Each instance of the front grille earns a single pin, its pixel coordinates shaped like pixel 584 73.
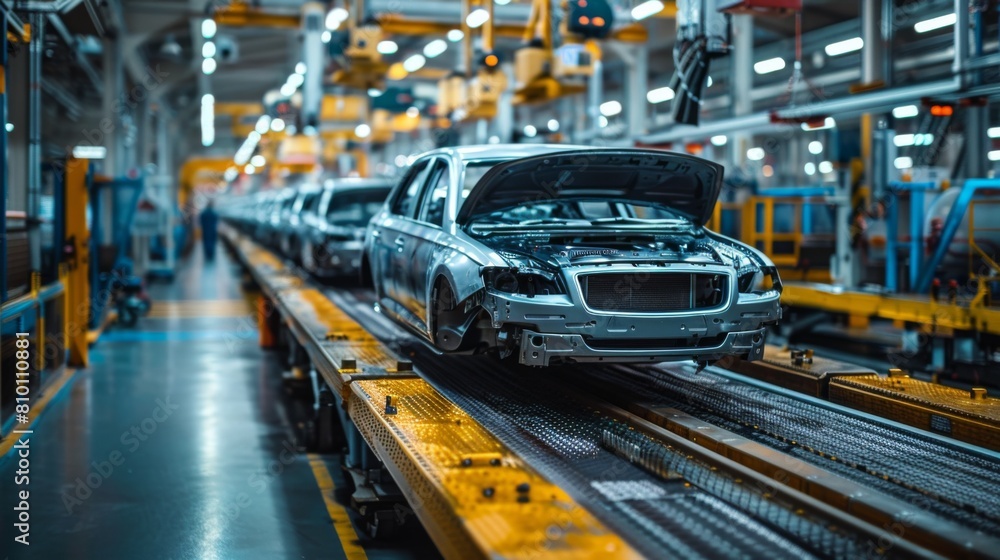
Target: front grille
pixel 651 292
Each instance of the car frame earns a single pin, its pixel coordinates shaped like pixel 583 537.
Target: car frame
pixel 439 280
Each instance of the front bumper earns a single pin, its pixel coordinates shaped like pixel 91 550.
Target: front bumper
pixel 538 349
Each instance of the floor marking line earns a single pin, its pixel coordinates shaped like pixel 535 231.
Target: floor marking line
pixel 338 514
pixel 38 408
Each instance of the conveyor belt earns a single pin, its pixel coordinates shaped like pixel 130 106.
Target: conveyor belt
pixel 952 481
pixel 661 493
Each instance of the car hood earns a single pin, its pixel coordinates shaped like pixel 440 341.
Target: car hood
pixel 678 182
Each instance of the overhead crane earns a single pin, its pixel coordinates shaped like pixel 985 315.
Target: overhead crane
pixel 481 460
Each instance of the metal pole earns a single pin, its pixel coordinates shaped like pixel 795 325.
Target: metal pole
pixel 961 39
pixel 595 95
pixel 638 79
pixel 35 138
pixel 742 82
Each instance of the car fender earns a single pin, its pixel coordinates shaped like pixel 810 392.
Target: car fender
pixel 467 282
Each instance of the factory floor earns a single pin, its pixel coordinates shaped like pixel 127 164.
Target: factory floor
pixel 176 443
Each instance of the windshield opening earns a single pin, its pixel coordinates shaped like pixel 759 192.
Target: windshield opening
pixel 355 208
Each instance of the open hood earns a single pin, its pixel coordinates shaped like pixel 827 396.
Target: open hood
pixel 684 184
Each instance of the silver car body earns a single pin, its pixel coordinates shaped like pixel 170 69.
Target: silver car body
pixel 414 260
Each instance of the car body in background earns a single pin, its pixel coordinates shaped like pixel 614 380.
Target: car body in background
pixel 329 235
pixel 568 254
pixel 290 230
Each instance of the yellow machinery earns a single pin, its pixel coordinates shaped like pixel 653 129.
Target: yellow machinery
pixel 791 248
pixel 364 67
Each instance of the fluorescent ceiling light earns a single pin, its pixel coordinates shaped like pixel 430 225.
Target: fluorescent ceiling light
pixel 387 47
pixel 825 167
pixel 611 108
pixel 335 18
pixel 553 125
pixel 90 152
pixel 810 168
pixel 231 174
pixel 455 35
pixel 935 23
pixel 903 140
pixel 300 68
pixel 208 28
pixel 816 147
pixel 994 132
pixel 845 46
pixel 659 95
pixel 435 48
pixel 903 162
pixel 250 169
pixel 906 111
pixel 413 112
pixel 755 154
pixel 362 130
pixel 263 124
pixel 258 161
pixel 208 49
pixel 374 92
pixel 414 63
pixel 530 131
pixel 287 90
pixel 277 125
pixel 326 37
pixel 647 9
pixel 994 155
pixel 603 121
pixel 477 18
pixel 720 140
pixel 208 66
pixel 769 65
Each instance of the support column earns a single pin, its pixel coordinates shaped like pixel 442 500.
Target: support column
pixel 505 107
pixel 741 76
pixel 638 80
pixel 595 96
pixel 35 138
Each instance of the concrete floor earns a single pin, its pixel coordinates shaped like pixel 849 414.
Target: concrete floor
pixel 175 444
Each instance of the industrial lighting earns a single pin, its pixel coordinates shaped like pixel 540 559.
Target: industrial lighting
pixel 905 112
pixel 603 121
pixel 659 95
pixel 208 66
pixel 816 147
pixel 387 47
pixel 296 80
pixel 246 149
pixel 755 154
pixel 611 108
pixel 90 152
pixel 825 167
pixel 362 130
pixel 709 82
pixel 10 127
pixel 300 68
pixel 810 168
pixel 845 46
pixel 335 18
pixel 258 161
pixel 400 160
pixel 769 65
pixel 501 2
pixel 530 131
pixel 720 140
pixel 767 171
pixel 250 169
pixel 277 125
pixel 231 174
pixel 263 124
pixel 827 124
pixel 647 9
pixel 413 112
pixel 207 120
pixel 435 47
pixel 553 125
pixel 494 139
pixel 903 140
pixel 935 23
pixel 208 28
pixel 477 18
pixel 287 90
pixel 993 132
pixel 455 35
pixel 414 63
pixel 994 155
pixel 208 49
pixel 903 162
pixel 374 92
pixel 326 37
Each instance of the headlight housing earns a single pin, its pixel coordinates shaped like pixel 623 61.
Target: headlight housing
pixel 753 281
pixel 511 280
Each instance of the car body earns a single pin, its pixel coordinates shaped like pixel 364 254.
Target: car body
pixel 568 254
pixel 331 227
pixel 294 227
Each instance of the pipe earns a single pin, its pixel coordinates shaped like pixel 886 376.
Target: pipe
pixel 81 59
pixel 488 28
